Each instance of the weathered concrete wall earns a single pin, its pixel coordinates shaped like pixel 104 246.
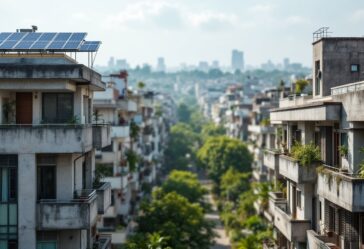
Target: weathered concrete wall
pixel 27 201
pixel 290 169
pixel 45 139
pixel 336 56
pixel 65 177
pixel 344 191
pixel 311 113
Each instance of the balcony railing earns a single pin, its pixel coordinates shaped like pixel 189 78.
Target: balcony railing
pixel 342 188
pixel 46 138
pixel 348 88
pixel 291 169
pixel 77 213
pixel 103 241
pixel 271 159
pixel 293 229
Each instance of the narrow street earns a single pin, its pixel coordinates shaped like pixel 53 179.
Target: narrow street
pixel 222 241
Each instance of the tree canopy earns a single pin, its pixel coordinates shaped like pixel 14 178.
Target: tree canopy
pixel 233 183
pixel 180 222
pixel 218 154
pixel 180 144
pixel 185 184
pixel 183 113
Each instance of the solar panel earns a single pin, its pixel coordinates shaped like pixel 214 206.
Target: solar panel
pixel 90 46
pixel 65 41
pixel 75 41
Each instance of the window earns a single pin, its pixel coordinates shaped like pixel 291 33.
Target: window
pixel 46 177
pixel 320 210
pixel 299 204
pixel 354 68
pixel 57 107
pixel 317 78
pixel 8 201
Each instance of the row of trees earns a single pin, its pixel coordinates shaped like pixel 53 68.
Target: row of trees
pixel 174 217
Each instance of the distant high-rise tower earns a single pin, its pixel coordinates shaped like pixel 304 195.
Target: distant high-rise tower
pixel 111 62
pixel 215 64
pixel 161 66
pixel 286 63
pixel 237 60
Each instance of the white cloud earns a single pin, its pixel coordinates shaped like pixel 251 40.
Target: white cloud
pixel 357 16
pixel 212 21
pixel 261 8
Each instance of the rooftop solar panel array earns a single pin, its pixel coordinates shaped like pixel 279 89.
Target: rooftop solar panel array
pixel 33 41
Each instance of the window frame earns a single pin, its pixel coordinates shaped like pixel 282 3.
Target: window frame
pixel 357 68
pixel 58 120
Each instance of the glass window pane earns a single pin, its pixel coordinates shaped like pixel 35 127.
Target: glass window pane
pixel 49 108
pixel 3 214
pixel 13 214
pixel 4 184
pixel 65 107
pixel 3 244
pixel 13 184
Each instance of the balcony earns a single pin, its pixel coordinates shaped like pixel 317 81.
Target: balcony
pixel 294 230
pixel 343 189
pixel 101 136
pixel 291 169
pixel 103 197
pixel 128 105
pixel 276 199
pixel 259 129
pixel 120 131
pixel 316 241
pixel 78 213
pixel 271 160
pixel 57 138
pixel 103 241
pixel 117 182
pixel 315 111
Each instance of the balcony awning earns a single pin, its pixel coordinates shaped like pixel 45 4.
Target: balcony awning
pixel 318 111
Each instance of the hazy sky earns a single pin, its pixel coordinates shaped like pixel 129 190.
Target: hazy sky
pixel 191 30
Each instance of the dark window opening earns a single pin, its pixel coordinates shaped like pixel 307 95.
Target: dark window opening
pixel 57 107
pixel 46 177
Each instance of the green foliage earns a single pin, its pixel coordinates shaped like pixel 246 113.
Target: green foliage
pixel 212 130
pixel 300 86
pixel 132 159
pixel 265 122
pixel 306 154
pixel 183 113
pixel 134 130
pixel 197 120
pixel 233 183
pixel 344 151
pixel 180 144
pixel 218 154
pixel 141 85
pixel 180 222
pixel 146 241
pixel 245 207
pixel 254 223
pixel 185 184
pixel 158 111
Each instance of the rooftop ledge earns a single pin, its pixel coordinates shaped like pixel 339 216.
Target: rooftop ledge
pixel 78 73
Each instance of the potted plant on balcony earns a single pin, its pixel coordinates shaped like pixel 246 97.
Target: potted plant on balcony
pixel 344 151
pixel 306 154
pixel 9 111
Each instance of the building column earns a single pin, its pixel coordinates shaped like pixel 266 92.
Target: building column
pixel 27 201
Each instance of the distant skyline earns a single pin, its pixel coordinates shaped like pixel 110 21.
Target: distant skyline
pixel 191 31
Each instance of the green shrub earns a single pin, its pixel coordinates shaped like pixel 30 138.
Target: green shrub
pixel 306 154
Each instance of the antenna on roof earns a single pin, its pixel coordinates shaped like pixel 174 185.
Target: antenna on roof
pixel 34 28
pixel 321 33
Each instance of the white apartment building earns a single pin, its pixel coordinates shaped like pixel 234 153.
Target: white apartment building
pixel 48 194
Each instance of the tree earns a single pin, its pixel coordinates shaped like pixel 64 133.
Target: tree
pixel 146 241
pixel 180 222
pixel 141 85
pixel 197 120
pixel 183 113
pixel 233 183
pixel 300 86
pixel 212 130
pixel 186 184
pixel 218 154
pixel 180 145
